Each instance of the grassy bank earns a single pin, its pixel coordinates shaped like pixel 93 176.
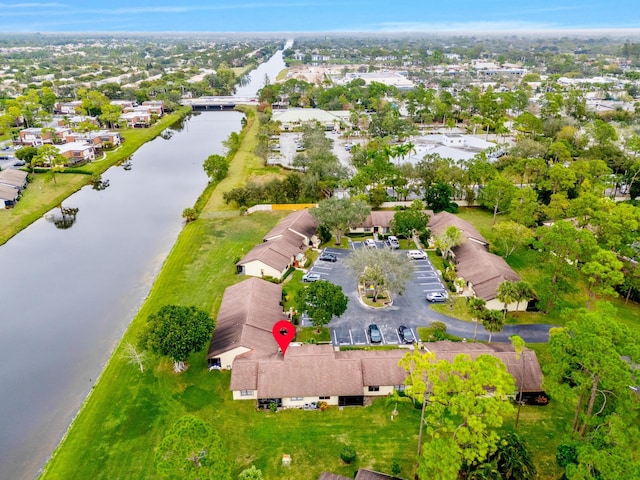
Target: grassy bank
pixel 41 196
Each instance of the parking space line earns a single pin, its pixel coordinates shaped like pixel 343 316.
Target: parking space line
pixel 335 337
pixel 323 266
pixel 350 337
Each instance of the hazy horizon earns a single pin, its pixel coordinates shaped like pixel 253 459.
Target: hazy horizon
pixel 499 17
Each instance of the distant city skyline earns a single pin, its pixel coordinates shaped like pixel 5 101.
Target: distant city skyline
pixel 417 16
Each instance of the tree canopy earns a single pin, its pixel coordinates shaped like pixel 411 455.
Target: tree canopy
pixel 177 331
pixel 466 402
pixel 339 214
pixel 192 450
pixel 322 300
pixel 380 269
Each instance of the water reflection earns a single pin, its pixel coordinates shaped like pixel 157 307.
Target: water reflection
pixel 98 184
pixel 63 219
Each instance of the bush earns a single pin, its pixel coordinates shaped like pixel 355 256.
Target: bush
pixel 348 454
pixel 424 236
pixel 439 326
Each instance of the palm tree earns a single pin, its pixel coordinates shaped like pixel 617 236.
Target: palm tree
pixel 507 293
pixel 492 322
pixel 524 291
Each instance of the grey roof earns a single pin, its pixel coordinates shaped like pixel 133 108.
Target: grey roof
pixel 246 316
pixel 13 177
pixel 378 218
pixel 8 193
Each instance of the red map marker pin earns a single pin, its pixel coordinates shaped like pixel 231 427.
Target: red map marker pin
pixel 283 331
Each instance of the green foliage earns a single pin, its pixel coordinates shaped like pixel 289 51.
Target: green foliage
pixel 509 236
pixel 348 454
pixel 191 449
pixel 177 331
pixel 189 214
pixel 322 300
pixel 413 219
pixel 216 167
pixel 438 196
pixel 380 269
pixel 339 214
pixel 251 473
pixel 461 416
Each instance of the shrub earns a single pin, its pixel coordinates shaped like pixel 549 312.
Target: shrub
pixel 323 406
pixel 439 326
pixel 348 454
pixel 273 406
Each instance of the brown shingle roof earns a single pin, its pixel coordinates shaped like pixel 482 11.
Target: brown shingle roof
pixel 439 222
pixel 309 370
pixel 379 367
pixel 364 474
pixel 300 224
pixel 247 313
pixel 474 262
pixel 483 269
pixel 378 218
pixel 277 253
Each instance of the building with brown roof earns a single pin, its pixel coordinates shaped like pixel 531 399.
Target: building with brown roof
pixel 363 474
pixel 378 221
pixel 482 270
pixel 282 248
pixel 246 316
pixel 309 374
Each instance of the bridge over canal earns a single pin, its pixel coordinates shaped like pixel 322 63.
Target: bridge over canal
pixel 218 102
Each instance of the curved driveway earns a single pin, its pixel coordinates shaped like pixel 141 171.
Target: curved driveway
pixel 410 309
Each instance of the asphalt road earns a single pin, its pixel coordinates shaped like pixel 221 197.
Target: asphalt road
pixel 410 309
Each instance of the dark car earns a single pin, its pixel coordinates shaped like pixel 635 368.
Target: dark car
pixel 328 257
pixel 405 334
pixel 374 333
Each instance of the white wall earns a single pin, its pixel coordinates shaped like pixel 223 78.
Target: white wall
pixel 237 396
pixel 259 269
pixel 226 358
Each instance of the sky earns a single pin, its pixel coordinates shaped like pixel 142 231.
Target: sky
pixel 438 16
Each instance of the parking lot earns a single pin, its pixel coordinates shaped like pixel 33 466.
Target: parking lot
pixel 410 309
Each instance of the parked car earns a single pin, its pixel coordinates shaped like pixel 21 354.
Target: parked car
pixel 370 243
pixel 393 242
pixel 416 254
pixel 405 334
pixel 436 297
pixel 328 257
pixel 311 277
pixel 19 163
pixel 374 333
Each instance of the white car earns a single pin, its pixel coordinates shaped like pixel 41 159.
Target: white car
pixel 416 254
pixel 310 277
pixel 437 297
pixel 370 243
pixel 393 242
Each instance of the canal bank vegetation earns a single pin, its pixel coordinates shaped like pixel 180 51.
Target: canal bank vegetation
pixel 43 195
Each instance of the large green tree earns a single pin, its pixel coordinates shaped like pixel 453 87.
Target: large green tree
pixel 192 450
pixel 381 270
pixel 177 331
pixel 322 300
pixel 340 214
pixel 509 236
pixel 216 167
pixel 407 222
pixel 592 364
pixel 465 402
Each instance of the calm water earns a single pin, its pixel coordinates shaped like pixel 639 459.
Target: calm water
pixel 69 294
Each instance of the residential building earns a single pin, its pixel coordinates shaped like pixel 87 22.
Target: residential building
pixel 38 136
pixel 482 270
pixel 14 178
pixel 77 152
pixel 282 248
